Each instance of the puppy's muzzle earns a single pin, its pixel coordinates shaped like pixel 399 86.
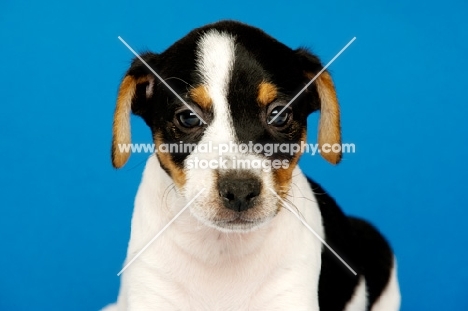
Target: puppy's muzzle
pixel 239 193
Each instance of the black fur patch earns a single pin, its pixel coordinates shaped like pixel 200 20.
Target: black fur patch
pixel 360 245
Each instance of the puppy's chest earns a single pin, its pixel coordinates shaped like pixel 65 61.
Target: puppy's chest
pixel 237 287
pixel 280 276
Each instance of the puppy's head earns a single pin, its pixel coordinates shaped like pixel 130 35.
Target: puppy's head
pixel 234 140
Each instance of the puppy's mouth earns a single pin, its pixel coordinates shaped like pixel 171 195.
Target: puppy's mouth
pixel 238 219
pixel 239 222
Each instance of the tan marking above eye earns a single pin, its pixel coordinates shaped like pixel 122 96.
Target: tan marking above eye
pixel 200 96
pixel 267 92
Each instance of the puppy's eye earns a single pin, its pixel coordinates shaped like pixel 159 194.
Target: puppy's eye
pixel 282 118
pixel 188 119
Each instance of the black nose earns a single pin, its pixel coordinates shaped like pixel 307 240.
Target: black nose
pixel 238 194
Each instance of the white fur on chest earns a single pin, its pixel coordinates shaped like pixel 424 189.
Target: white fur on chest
pixel 194 267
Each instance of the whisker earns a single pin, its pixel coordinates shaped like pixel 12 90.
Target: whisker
pixel 179 80
pixel 303 196
pixel 286 200
pixel 166 193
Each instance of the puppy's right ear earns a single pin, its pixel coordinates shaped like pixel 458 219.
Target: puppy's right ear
pixel 329 132
pixel 136 89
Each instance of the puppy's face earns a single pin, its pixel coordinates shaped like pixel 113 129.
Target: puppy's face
pixel 234 140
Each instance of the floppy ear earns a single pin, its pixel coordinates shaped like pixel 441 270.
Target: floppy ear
pixel 329 131
pixel 134 92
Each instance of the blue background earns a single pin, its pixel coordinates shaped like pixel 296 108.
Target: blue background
pixel 65 213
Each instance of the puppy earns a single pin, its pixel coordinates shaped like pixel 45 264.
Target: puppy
pixel 238 247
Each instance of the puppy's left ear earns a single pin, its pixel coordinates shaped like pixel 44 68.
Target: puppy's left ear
pixel 135 91
pixel 329 131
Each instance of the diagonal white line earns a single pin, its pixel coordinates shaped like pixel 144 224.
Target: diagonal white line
pixel 311 81
pixel 159 77
pixel 160 232
pixel 312 230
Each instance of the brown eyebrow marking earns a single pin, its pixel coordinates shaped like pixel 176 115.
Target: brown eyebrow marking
pixel 200 96
pixel 267 92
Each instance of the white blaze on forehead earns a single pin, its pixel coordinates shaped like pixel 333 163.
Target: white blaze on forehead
pixel 215 62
